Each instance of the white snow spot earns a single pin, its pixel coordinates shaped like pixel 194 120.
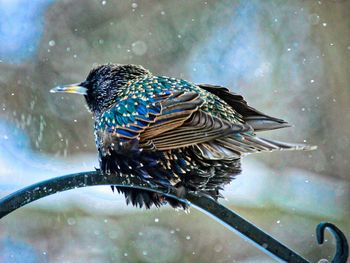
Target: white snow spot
pixel 139 48
pixel 71 221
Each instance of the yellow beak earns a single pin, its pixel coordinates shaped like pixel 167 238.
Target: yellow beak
pixel 72 88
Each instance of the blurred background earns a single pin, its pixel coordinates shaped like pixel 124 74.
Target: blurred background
pixel 289 59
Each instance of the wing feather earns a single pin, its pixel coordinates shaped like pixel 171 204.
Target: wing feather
pixel 258 120
pixel 201 127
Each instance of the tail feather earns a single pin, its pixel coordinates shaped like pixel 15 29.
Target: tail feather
pixel 265 123
pixel 291 146
pixel 248 143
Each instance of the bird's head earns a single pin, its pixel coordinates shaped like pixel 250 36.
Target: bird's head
pixel 104 84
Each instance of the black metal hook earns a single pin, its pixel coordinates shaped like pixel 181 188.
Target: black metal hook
pixel 342 247
pixel 203 203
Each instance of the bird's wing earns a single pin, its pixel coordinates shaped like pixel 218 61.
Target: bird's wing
pixel 183 123
pixel 256 119
pixel 124 122
pixel 166 121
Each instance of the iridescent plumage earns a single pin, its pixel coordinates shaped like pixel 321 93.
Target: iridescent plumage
pixel 172 132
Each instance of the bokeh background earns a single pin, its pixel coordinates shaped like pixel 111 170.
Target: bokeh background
pixel 288 58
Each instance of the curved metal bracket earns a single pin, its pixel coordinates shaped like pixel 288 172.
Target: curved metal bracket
pixel 203 203
pixel 342 252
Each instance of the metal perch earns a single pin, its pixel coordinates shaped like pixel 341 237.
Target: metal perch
pixel 227 217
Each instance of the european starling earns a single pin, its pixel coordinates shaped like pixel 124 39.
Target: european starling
pixel 171 132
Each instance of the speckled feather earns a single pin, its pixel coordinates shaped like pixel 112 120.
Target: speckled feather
pixel 140 99
pixel 172 132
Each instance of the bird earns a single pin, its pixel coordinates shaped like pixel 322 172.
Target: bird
pixel 170 132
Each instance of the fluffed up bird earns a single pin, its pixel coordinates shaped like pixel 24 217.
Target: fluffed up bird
pixel 171 132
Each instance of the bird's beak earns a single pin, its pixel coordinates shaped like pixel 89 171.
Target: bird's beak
pixel 72 88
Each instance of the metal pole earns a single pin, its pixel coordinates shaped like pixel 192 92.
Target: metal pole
pixel 225 216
